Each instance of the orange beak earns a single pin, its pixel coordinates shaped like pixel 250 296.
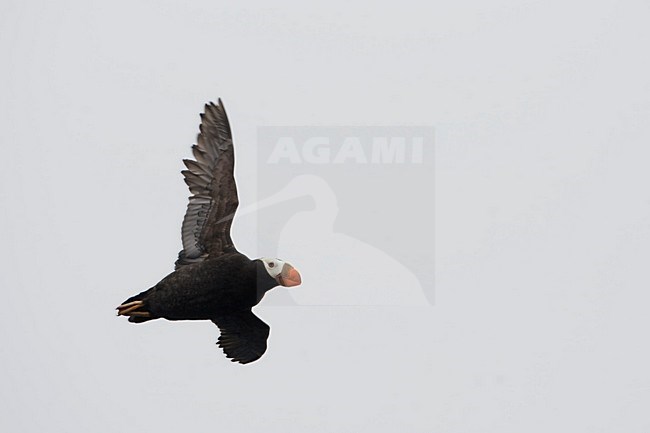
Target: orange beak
pixel 289 277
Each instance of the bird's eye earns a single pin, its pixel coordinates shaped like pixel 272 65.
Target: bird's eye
pixel 271 264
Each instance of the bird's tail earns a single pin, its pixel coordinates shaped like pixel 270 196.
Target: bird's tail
pixel 135 308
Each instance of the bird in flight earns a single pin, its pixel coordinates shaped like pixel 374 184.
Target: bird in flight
pixel 212 280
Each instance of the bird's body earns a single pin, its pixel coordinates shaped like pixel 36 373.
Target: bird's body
pixel 206 290
pixel 213 281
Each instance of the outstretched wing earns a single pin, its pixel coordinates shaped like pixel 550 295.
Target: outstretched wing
pixel 206 227
pixel 243 336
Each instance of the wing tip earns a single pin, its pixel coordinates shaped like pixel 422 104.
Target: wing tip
pixel 211 104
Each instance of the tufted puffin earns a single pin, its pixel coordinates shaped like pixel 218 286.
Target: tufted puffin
pixel 212 280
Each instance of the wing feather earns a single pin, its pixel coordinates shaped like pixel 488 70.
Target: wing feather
pixel 243 336
pixel 206 227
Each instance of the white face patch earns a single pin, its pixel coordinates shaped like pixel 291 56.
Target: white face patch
pixel 273 266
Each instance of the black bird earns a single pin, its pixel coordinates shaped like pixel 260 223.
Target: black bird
pixel 212 280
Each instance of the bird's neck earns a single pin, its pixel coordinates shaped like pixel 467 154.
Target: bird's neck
pixel 264 282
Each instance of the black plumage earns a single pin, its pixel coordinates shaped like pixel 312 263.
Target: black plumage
pixel 212 280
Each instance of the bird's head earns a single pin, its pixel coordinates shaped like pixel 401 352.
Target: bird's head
pixel 282 272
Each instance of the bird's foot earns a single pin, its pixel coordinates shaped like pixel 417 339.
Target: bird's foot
pixel 129 309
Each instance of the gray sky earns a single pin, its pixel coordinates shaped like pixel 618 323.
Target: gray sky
pixel 538 320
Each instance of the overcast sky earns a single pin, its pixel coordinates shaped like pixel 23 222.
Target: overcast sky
pixel 538 317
